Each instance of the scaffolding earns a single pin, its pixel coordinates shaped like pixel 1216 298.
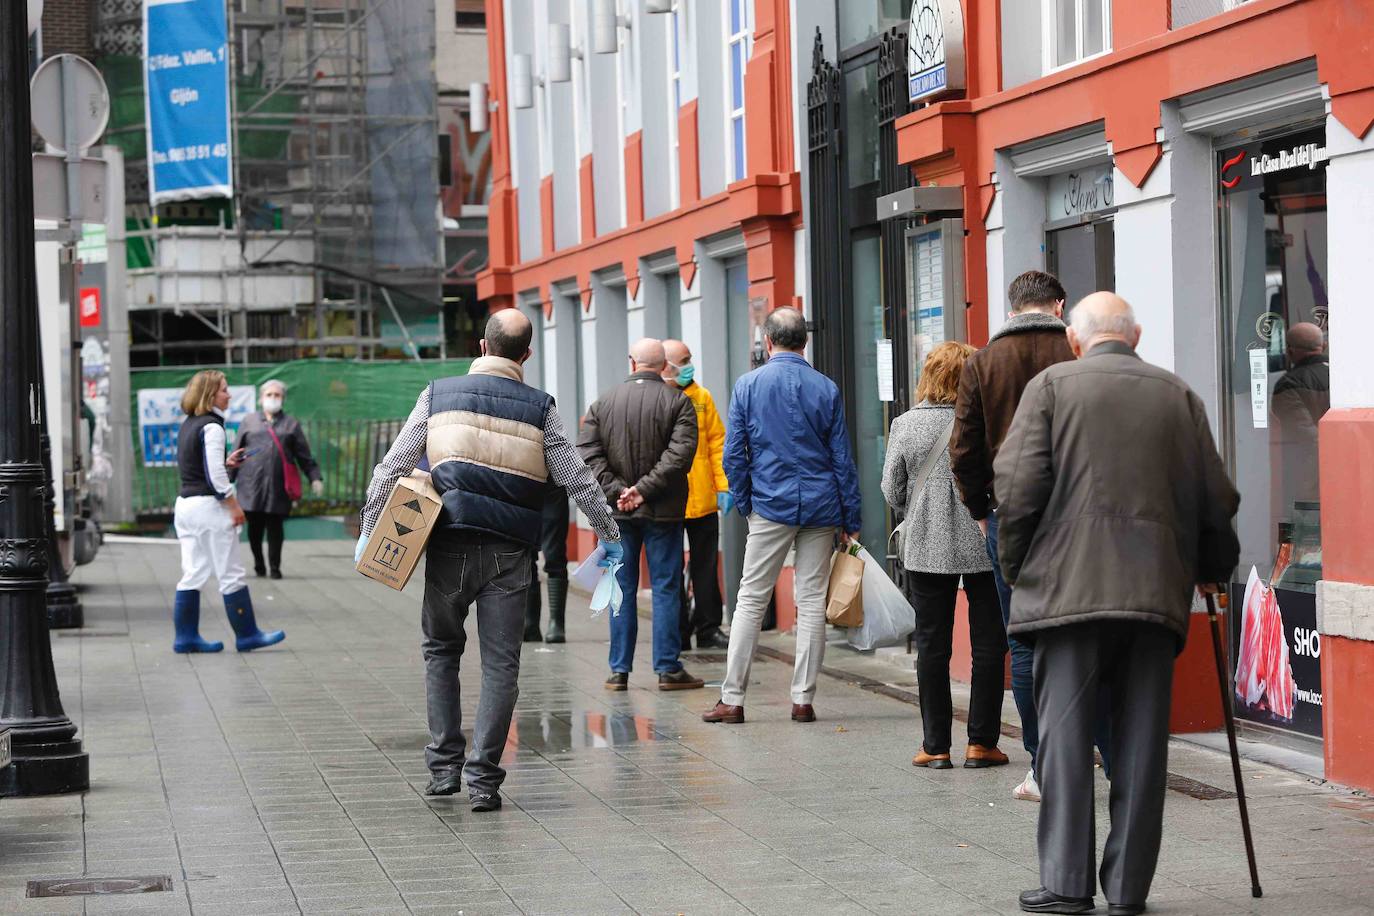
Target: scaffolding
pixel 331 245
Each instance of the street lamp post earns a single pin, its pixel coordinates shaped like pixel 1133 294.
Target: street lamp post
pixel 48 756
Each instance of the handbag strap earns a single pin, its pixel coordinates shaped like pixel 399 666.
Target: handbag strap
pixel 940 446
pixel 280 451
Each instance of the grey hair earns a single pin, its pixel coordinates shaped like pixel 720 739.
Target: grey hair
pixel 272 381
pixel 1089 323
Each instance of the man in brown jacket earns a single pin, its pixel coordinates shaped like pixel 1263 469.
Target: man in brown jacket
pixel 640 439
pixel 989 390
pixel 1113 505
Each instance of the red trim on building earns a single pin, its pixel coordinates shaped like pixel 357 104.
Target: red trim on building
pixel 1347 734
pixel 586 187
pixel 546 227
pixel 634 178
pixel 688 155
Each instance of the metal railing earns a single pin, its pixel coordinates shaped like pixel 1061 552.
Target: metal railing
pixel 346 451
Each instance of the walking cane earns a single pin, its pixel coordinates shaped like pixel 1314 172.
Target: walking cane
pixel 1255 890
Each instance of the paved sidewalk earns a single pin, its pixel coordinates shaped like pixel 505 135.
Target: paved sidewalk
pixel 289 781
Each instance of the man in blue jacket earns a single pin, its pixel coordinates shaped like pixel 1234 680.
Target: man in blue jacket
pixel 792 475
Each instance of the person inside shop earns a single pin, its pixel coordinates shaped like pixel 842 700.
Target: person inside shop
pixel 1302 396
pixel 1113 504
pixel 708 498
pixel 207 518
pixel 269 480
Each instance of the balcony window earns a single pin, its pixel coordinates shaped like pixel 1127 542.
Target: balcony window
pixel 674 103
pixel 470 14
pixel 1186 12
pixel 1076 30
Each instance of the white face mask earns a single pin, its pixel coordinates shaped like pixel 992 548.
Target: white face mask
pixel 271 404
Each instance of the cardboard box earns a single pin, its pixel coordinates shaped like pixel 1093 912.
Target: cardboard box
pixel 394 549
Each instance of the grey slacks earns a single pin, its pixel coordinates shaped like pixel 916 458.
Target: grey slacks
pixel 1136 661
pixel 496 575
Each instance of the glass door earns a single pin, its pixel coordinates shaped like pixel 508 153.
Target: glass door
pixel 1083 257
pixel 1274 295
pixel 739 349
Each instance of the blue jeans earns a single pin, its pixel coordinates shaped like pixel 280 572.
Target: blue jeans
pixel 1022 655
pixel 663 543
pixel 1022 673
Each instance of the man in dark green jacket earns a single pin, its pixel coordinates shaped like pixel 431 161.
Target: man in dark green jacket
pixel 1113 505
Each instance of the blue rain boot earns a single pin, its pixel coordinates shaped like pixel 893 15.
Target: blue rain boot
pixel 186 617
pixel 239 607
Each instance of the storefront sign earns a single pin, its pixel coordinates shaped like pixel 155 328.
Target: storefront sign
pixel 935 49
pixel 186 75
pixel 1080 193
pixel 160 417
pixel 1243 168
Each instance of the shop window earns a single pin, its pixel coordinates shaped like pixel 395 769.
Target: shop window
pixel 1076 30
pixel 1274 290
pixel 470 14
pixel 740 25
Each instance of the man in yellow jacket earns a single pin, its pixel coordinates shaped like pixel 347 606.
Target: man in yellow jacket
pixel 708 495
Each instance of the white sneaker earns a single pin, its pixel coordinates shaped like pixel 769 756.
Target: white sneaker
pixel 1029 790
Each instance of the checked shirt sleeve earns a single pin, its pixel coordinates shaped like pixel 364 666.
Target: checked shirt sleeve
pixel 568 470
pixel 405 453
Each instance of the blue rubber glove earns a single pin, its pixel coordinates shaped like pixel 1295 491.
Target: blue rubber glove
pixel 358 551
pixel 725 502
pixel 615 554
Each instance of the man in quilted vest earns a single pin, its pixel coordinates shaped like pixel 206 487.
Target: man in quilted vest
pixel 493 443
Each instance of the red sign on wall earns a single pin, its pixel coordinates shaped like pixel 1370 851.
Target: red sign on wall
pixel 90 307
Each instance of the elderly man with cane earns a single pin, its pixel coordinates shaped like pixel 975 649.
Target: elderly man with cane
pixel 1113 506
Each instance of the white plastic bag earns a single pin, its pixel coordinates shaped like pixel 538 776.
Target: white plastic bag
pixel 888 617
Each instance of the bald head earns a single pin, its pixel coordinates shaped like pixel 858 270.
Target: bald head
pixel 1305 340
pixel 676 352
pixel 1102 317
pixel 508 335
pixel 785 328
pixel 647 353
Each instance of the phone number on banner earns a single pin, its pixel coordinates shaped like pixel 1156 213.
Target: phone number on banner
pixel 191 153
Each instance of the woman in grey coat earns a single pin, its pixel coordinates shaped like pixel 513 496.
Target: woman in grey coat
pixel 261 481
pixel 943 545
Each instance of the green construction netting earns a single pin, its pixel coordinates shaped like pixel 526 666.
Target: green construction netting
pixel 351 412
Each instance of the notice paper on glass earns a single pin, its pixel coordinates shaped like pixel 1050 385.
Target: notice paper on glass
pixel 885 380
pixel 1259 388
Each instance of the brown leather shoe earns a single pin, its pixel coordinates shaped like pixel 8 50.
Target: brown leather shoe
pixel 977 757
pixel 932 761
pixel 802 712
pixel 730 715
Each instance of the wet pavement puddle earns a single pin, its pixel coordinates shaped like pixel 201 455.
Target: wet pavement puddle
pixel 562 732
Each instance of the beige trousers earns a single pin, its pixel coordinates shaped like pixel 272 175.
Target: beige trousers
pixel 764 554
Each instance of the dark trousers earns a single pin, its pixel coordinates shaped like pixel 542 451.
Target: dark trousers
pixel 496 575
pixel 555 533
pixel 554 544
pixel 1135 662
pixel 271 524
pixel 706 611
pixel 1022 683
pixel 662 542
pixel 934 595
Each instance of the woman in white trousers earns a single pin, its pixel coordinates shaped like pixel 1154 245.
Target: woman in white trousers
pixel 207 518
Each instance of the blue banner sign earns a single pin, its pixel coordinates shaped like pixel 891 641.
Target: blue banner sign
pixel 186 81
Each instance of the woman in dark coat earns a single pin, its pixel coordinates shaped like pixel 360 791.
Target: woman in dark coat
pixel 261 481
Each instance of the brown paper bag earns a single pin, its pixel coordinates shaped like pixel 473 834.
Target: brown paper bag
pixel 844 603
